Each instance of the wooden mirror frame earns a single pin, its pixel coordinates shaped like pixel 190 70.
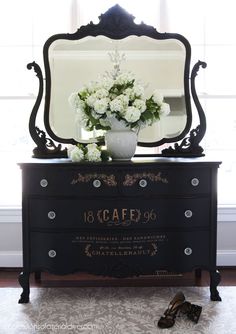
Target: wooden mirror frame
pixel 117 24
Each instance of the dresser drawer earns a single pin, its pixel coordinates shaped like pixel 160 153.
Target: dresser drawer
pixel 92 252
pixel 71 182
pixel 121 181
pixel 113 213
pixel 167 181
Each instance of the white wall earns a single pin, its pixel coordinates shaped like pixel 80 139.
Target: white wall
pixel 11 237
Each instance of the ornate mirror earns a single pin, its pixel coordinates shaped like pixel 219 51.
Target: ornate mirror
pixel 161 61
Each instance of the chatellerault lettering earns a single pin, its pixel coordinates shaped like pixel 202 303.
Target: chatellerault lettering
pixel 120 252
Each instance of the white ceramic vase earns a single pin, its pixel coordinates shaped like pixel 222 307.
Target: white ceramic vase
pixel 120 141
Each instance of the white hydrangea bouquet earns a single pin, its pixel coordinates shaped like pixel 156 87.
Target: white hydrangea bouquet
pixel 121 97
pixel 115 100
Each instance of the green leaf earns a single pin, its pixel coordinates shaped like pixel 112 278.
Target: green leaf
pixel 147 114
pixel 104 155
pixel 101 127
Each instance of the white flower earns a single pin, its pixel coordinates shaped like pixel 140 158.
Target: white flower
pixel 93 153
pixel 80 115
pixel 130 92
pixel 108 114
pixel 74 100
pixel 119 104
pixel 107 83
pixel 76 154
pixel 69 149
pixel 91 100
pixel 140 104
pixel 138 91
pixel 124 78
pixel 165 109
pixel 82 119
pixel 104 122
pixel 101 93
pixel 157 97
pixel 81 107
pixel 132 114
pixel 100 106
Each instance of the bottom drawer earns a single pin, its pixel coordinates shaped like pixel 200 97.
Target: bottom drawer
pixel 119 254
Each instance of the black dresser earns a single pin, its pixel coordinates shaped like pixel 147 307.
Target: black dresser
pixel 119 219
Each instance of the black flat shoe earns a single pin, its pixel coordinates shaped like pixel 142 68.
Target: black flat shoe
pixel 171 312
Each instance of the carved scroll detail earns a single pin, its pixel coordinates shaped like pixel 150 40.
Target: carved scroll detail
pixel 109 180
pixel 131 179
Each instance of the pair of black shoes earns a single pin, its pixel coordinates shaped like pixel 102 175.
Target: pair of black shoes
pixel 179 305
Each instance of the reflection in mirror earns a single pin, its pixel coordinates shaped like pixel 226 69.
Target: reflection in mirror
pixel 158 64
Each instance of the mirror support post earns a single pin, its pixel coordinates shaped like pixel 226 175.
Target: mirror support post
pixel 202 118
pixel 45 146
pixel 190 147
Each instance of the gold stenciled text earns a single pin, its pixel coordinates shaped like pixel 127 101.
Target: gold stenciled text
pixel 119 216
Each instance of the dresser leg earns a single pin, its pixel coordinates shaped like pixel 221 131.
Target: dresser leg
pixel 24 283
pixel 215 279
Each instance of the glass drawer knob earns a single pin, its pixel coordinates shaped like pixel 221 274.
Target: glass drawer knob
pixel 97 183
pixel 195 182
pixel 51 215
pixel 188 251
pixel 143 183
pixel 52 253
pixel 43 183
pixel 188 213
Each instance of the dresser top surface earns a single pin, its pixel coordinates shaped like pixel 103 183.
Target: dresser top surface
pixel 140 161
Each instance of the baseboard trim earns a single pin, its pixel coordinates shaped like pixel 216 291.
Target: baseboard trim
pixel 13 259
pixel 226 257
pixel 10 215
pixel 10 259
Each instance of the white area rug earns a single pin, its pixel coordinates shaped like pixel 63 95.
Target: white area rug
pixel 112 311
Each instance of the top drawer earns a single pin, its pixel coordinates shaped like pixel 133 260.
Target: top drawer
pixel 117 181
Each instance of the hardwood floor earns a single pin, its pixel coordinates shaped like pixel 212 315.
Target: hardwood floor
pixel 9 278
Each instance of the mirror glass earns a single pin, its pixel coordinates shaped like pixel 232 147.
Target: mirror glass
pixel 158 64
